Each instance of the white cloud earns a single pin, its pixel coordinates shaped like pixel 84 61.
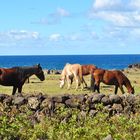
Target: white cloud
pixel 22 34
pixel 118 19
pixel 19 37
pixel 62 12
pixel 55 37
pixel 94 35
pixel 53 18
pixel 135 4
pixel 135 33
pixel 123 13
pixel 75 37
pixel 106 4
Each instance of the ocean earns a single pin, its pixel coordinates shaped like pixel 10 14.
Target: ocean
pixel 58 61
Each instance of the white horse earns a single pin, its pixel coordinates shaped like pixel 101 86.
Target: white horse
pixel 69 72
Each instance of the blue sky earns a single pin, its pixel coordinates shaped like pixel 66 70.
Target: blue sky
pixel 58 27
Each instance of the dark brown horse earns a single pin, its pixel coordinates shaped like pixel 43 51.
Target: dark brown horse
pixel 114 77
pixel 17 76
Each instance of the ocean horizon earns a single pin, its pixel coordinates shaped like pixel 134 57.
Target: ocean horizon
pixel 106 61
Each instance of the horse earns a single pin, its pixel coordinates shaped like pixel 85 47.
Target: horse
pixel 69 72
pixel 16 76
pixel 86 70
pixel 111 77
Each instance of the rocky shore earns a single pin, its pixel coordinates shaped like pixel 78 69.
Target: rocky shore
pixel 137 65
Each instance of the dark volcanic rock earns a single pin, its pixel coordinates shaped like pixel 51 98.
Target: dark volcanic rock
pixel 87 104
pixel 3 96
pixel 95 98
pixel 33 103
pixel 19 100
pixel 117 108
pixel 105 100
pixel 115 99
pixel 134 65
pixel 8 101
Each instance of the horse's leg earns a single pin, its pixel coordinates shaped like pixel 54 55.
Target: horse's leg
pixel 98 88
pixel 19 89
pixel 116 89
pixel 121 88
pixel 84 81
pixel 78 81
pixel 69 82
pixel 92 83
pixel 95 81
pixel 14 90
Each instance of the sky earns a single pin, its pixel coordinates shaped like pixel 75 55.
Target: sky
pixel 68 27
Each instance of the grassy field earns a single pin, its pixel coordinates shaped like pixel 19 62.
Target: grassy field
pixel 21 126
pixel 51 85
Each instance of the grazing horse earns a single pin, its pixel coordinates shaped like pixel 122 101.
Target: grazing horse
pixel 17 76
pixel 86 70
pixel 114 77
pixel 69 72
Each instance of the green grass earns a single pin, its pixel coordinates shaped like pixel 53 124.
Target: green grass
pixel 85 128
pixel 19 126
pixel 51 85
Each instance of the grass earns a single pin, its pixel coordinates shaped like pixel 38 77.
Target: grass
pixel 51 85
pixel 21 127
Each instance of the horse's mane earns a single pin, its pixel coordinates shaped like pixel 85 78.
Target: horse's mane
pixel 20 69
pixel 64 69
pixel 24 71
pixel 127 81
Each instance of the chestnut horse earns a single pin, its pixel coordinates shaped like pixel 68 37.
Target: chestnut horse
pixel 17 76
pixel 114 77
pixel 69 72
pixel 86 70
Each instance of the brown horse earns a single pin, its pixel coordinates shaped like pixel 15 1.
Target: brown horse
pixel 86 70
pixel 114 77
pixel 17 76
pixel 69 72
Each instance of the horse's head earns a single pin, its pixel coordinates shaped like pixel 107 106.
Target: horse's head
pixel 131 90
pixel 62 82
pixel 39 73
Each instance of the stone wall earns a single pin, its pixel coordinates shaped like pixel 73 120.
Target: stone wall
pixel 46 106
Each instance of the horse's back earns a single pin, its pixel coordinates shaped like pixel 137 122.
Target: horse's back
pixel 88 69
pixel 98 72
pixel 8 77
pixel 70 69
pixel 120 76
pixel 109 77
pixel 115 77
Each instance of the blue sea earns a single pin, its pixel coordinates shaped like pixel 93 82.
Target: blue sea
pixel 58 61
